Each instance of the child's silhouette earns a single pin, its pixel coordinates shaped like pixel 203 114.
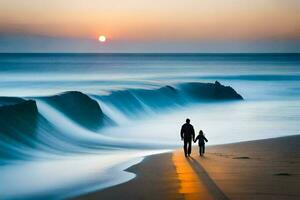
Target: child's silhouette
pixel 201 142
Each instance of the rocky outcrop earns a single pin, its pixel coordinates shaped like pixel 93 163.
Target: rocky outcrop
pixel 209 91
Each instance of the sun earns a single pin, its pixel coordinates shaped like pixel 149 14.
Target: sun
pixel 102 38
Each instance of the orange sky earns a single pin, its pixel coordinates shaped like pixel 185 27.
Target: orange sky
pixel 147 20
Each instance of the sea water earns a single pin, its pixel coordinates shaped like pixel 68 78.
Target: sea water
pixel 269 84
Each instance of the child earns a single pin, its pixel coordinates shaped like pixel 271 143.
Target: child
pixel 202 139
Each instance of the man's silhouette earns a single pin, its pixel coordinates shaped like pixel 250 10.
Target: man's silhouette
pixel 187 134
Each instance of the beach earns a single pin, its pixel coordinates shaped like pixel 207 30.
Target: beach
pixel 260 169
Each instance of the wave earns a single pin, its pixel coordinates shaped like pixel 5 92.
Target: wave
pixel 18 120
pixel 71 121
pixel 79 107
pixel 6 101
pixel 25 132
pixel 136 101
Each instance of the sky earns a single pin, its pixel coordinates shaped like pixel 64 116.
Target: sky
pixel 150 25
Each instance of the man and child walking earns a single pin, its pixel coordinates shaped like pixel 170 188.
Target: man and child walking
pixel 187 134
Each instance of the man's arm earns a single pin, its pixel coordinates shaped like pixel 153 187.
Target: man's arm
pixel 197 138
pixel 181 133
pixel 193 133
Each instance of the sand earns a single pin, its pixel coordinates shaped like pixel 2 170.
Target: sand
pixel 263 169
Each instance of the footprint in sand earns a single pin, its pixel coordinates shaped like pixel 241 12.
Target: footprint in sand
pixel 282 174
pixel 242 157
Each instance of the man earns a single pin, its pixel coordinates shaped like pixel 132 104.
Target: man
pixel 187 134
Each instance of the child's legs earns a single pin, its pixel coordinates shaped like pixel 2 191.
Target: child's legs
pixel 201 149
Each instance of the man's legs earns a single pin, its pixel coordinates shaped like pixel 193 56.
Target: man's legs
pixel 190 147
pixel 185 147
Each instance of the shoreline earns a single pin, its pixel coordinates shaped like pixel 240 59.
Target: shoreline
pixel 152 163
pixel 259 169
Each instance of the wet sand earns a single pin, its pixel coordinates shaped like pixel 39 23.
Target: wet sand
pixel 156 179
pixel 263 169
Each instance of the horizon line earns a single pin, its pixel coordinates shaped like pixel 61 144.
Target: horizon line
pixel 150 53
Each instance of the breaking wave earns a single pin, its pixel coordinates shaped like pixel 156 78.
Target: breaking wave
pixel 71 122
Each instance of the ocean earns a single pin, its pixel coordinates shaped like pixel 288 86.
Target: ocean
pixel 98 114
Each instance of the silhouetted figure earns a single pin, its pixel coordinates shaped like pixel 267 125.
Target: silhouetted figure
pixel 187 134
pixel 201 142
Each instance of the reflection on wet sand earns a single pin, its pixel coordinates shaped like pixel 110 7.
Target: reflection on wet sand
pixel 191 186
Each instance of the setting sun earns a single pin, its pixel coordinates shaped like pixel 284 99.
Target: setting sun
pixel 102 38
